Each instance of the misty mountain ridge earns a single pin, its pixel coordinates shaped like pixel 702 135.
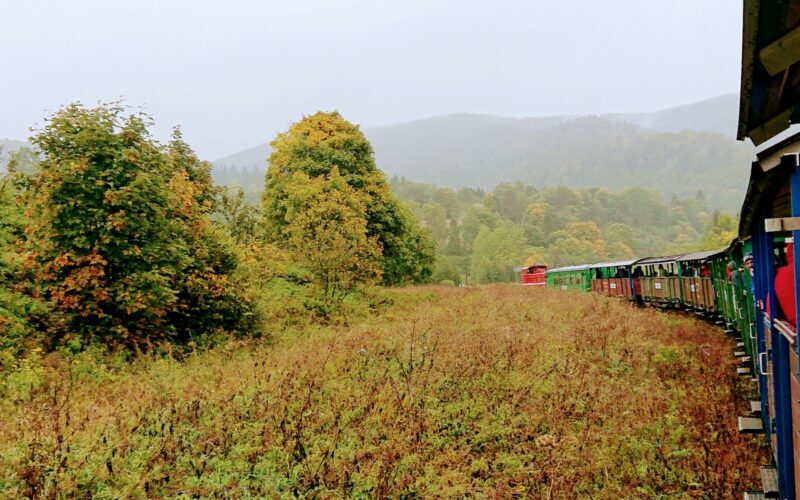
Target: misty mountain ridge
pixel 718 114
pixel 677 151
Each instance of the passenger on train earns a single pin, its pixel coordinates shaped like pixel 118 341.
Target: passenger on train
pixel 730 270
pixel 661 271
pixel 748 264
pixel 704 271
pixel 784 288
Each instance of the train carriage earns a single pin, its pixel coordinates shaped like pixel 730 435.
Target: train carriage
pixel 612 278
pixel 696 280
pixel 733 300
pixel 657 281
pixel 570 278
pixel 771 217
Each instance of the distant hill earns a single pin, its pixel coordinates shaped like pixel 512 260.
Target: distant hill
pixel 719 114
pixel 677 151
pixel 583 152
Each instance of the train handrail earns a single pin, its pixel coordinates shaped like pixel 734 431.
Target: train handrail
pixel 786 330
pixel 762 363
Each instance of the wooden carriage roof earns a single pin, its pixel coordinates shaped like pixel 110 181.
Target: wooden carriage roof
pixel 619 263
pixel 657 260
pixel 767 175
pixel 702 255
pixel 770 83
pixel 581 267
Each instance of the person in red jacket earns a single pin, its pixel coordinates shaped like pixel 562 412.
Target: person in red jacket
pixel 784 287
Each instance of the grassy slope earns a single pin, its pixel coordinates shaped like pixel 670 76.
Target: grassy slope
pixel 485 391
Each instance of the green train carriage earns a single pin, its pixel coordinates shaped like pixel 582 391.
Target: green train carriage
pixel 570 278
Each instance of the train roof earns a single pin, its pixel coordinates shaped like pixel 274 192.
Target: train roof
pixel 581 267
pixel 520 268
pixel 767 176
pixel 702 255
pixel 618 263
pixel 657 260
pixel 770 87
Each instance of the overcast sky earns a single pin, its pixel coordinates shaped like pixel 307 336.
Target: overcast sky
pixel 233 72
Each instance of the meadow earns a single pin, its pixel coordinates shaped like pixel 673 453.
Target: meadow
pixel 492 391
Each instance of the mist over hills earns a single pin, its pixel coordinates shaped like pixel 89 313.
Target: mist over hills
pixel 677 151
pixel 718 114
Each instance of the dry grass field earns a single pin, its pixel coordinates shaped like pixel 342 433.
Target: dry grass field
pixel 490 392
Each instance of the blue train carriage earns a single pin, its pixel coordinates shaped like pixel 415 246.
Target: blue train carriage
pixel 771 217
pixel 656 280
pixel 612 278
pixel 769 104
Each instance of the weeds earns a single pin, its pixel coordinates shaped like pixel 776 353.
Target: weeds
pixel 496 391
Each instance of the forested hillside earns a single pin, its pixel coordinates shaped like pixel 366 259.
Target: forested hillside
pixel 584 152
pixel 718 115
pixel 482 235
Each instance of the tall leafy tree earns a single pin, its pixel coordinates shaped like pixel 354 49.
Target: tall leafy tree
pixel 495 253
pixel 207 300
pixel 316 145
pixel 20 313
pixel 327 230
pixel 720 231
pixel 118 237
pixel 239 219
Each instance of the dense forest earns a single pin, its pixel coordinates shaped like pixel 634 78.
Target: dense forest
pixel 482 235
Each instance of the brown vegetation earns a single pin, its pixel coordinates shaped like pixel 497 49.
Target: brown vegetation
pixel 494 391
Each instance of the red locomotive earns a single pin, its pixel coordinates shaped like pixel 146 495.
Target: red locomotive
pixel 535 275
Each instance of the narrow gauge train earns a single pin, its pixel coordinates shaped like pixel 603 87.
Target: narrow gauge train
pixel 718 286
pixel 759 306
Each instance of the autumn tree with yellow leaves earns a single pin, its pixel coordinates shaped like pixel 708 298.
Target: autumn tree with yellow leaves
pixel 325 197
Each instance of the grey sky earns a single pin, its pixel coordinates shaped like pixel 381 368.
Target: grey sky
pixel 232 73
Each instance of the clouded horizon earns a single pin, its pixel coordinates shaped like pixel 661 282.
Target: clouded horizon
pixel 234 74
